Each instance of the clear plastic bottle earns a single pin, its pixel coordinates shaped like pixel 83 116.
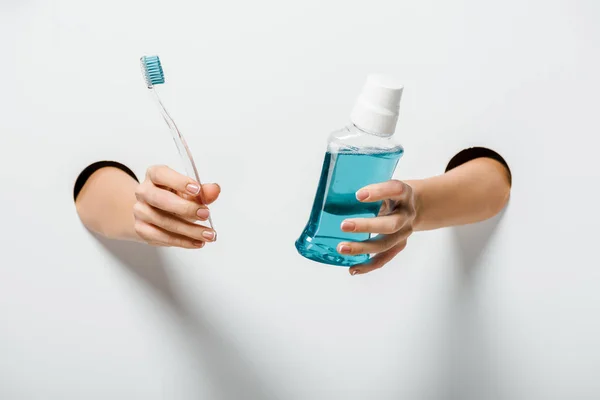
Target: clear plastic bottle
pixel 358 155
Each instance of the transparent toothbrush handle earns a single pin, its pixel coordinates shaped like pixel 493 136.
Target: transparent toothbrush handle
pixel 182 148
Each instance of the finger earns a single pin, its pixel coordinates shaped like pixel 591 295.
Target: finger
pixel 161 175
pixel 170 202
pixel 385 224
pixel 378 244
pixel 393 189
pixel 157 236
pixel 172 223
pixel 379 260
pixel 210 192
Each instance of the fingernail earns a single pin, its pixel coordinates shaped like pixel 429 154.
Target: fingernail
pixel 354 272
pixel 199 244
pixel 348 226
pixel 209 235
pixel 202 213
pixel 362 194
pixel 192 188
pixel 344 249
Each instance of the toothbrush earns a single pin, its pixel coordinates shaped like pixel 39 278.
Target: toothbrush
pixel 154 75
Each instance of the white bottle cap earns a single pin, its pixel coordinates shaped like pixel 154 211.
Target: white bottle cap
pixel 376 109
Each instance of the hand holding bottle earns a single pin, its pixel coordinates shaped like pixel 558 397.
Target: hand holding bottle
pixel 394 224
pixel 474 191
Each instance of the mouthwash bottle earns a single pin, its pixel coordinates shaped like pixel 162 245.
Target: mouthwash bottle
pixel 358 155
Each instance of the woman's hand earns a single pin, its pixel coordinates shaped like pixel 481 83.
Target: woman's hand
pixel 469 193
pixel 167 207
pixel 393 225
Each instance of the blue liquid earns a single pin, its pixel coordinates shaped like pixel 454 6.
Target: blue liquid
pixel 343 174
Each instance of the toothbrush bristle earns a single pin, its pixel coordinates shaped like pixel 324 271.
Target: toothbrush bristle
pixel 153 71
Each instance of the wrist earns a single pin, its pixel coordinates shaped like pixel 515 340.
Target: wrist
pixel 419 188
pixel 129 232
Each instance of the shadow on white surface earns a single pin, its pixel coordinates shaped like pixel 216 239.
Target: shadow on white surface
pixel 231 375
pixel 471 362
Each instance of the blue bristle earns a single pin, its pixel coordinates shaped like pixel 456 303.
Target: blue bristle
pixel 153 70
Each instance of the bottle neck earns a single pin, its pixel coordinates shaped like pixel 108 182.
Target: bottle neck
pixel 354 127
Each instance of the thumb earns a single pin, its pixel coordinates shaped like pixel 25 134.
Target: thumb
pixel 210 192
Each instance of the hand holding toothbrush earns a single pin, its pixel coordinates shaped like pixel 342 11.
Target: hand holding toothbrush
pixel 168 206
pixel 163 210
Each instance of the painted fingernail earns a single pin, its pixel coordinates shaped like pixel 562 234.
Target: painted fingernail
pixel 202 213
pixel 362 194
pixel 209 235
pixel 348 226
pixel 199 244
pixel 344 249
pixel 192 188
pixel 354 272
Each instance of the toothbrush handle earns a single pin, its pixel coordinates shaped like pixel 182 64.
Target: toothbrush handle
pixel 182 148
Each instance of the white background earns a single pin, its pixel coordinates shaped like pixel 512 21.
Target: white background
pixel 507 309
